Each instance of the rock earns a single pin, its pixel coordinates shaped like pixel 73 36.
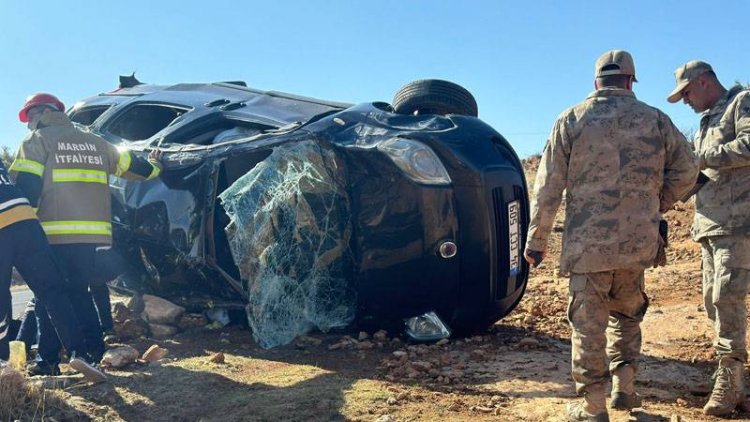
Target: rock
pixel 131 328
pixel 365 345
pixel 442 342
pixel 161 311
pixel 386 418
pixel 120 356
pixel 412 372
pixel 381 336
pixel 120 312
pixel 478 354
pixel 335 346
pixel 675 418
pixel 136 304
pixel 308 341
pixel 363 336
pixel 529 342
pixel 421 366
pixel 400 354
pixel 391 401
pixel 191 321
pixel 162 330
pixel 155 353
pixel 217 358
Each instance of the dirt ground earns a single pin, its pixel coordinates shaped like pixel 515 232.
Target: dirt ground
pixel 518 371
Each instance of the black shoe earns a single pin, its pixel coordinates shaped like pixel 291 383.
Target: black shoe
pixel 43 369
pixel 88 370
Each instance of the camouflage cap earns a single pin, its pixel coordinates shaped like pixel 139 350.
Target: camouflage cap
pixel 617 62
pixel 686 74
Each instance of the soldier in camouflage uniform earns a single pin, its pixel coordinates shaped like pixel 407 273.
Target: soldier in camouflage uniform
pixel 722 219
pixel 621 163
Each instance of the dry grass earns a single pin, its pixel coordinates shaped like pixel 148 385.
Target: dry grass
pixel 20 400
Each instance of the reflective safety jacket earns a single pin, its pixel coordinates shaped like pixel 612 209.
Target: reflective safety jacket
pixel 64 172
pixel 13 206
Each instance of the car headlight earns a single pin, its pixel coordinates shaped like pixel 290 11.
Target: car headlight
pixel 427 327
pixel 417 160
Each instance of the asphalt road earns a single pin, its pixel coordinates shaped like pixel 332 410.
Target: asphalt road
pixel 20 297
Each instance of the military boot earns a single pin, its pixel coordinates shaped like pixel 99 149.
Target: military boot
pixel 592 408
pixel 624 396
pixel 729 388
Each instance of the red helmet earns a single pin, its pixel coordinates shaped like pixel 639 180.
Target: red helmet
pixel 39 99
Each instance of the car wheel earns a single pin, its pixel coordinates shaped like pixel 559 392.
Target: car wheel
pixel 434 96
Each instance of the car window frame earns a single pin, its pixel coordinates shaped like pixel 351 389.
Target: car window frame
pixel 105 128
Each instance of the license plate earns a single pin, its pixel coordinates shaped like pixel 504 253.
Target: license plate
pixel 514 238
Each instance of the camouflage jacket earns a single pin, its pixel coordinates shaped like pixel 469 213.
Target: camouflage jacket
pixel 722 145
pixel 621 163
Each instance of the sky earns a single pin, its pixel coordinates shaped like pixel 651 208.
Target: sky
pixel 524 61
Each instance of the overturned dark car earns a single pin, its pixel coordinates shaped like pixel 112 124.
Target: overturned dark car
pixel 311 214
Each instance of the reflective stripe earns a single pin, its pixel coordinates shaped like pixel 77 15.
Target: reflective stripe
pixel 123 164
pixel 79 175
pixel 27 166
pixel 77 227
pixel 7 204
pixel 154 173
pixel 4 327
pixel 16 214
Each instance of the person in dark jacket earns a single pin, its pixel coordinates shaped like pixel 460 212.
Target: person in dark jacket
pixel 23 245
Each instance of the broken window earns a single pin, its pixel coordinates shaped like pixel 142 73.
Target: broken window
pixel 289 233
pixel 142 121
pixel 214 128
pixel 87 115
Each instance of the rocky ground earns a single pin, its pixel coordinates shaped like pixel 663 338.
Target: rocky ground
pixel 519 370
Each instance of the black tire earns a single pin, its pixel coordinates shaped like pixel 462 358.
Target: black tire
pixel 434 96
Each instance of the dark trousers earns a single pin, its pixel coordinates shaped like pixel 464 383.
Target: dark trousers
pixel 76 262
pixel 24 245
pixel 100 293
pixel 27 333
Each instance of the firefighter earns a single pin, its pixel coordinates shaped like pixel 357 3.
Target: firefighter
pixel 24 246
pixel 64 172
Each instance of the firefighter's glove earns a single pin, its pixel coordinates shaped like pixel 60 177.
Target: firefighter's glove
pixel 661 251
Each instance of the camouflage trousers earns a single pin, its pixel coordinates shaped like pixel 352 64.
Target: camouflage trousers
pixel 726 275
pixel 605 311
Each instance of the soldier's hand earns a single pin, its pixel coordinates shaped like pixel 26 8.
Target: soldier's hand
pixel 661 252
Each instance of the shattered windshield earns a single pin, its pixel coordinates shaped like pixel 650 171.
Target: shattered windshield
pixel 289 234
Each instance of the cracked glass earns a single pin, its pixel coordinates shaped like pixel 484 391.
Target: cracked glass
pixel 289 234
